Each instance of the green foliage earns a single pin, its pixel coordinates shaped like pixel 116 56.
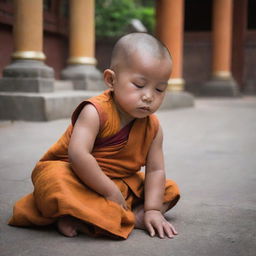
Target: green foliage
pixel 113 16
pixel 146 3
pixel 147 17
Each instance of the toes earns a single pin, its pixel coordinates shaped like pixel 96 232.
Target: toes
pixel 71 233
pixel 66 227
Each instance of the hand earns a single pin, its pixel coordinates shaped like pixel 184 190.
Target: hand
pixel 155 221
pixel 117 197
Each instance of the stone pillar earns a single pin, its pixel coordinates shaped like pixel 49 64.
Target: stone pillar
pixel 222 82
pixel 169 29
pixel 27 72
pixel 81 67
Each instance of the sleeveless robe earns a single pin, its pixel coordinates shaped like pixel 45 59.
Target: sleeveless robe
pixel 119 153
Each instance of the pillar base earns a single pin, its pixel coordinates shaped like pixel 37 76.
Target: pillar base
pixel 222 87
pixel 46 106
pixel 250 88
pixel 177 99
pixel 27 76
pixel 84 77
pixel 41 106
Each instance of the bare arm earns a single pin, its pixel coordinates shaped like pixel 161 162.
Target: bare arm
pixel 155 175
pixel 154 191
pixel 83 163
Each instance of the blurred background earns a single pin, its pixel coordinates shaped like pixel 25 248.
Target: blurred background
pixel 213 42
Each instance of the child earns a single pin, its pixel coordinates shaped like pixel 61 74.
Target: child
pixel 90 181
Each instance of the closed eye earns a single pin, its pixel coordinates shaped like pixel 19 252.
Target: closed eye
pixel 138 86
pixel 160 90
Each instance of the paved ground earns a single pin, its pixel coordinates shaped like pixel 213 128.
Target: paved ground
pixel 210 152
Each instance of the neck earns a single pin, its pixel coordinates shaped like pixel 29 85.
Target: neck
pixel 123 116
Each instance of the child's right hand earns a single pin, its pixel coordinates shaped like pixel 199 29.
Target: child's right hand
pixel 117 197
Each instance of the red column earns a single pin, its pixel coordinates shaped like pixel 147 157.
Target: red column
pixel 222 34
pixel 28 30
pixel 169 29
pixel 82 32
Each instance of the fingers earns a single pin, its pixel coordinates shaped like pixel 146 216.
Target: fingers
pixel 165 229
pixel 160 231
pixel 173 229
pixel 124 205
pixel 150 229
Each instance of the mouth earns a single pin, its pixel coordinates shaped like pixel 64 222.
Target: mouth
pixel 145 109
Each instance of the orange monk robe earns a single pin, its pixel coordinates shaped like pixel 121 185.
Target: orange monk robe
pixel 58 191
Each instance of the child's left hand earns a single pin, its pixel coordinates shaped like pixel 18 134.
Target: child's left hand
pixel 155 221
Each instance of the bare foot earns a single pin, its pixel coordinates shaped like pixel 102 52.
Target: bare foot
pixel 68 226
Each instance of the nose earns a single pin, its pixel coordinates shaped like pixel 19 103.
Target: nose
pixel 147 97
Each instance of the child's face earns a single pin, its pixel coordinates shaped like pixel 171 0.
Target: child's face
pixel 139 88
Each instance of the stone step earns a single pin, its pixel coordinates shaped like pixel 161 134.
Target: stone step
pixel 61 85
pixel 41 106
pixel 61 103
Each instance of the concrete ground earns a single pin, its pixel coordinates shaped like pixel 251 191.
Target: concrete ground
pixel 210 152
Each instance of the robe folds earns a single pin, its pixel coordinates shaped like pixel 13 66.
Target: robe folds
pixel 120 154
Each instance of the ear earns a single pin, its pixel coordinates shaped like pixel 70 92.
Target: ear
pixel 109 78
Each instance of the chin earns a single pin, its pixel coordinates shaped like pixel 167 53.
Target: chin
pixel 142 116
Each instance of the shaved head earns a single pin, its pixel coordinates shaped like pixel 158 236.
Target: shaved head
pixel 137 44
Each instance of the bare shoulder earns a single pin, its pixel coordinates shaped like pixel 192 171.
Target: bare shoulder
pixel 88 117
pixel 86 128
pixel 88 112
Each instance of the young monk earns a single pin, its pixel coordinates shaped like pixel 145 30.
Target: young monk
pixel 90 180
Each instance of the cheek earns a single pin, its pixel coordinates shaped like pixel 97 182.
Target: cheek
pixel 130 92
pixel 159 100
pixel 127 97
pixel 130 98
